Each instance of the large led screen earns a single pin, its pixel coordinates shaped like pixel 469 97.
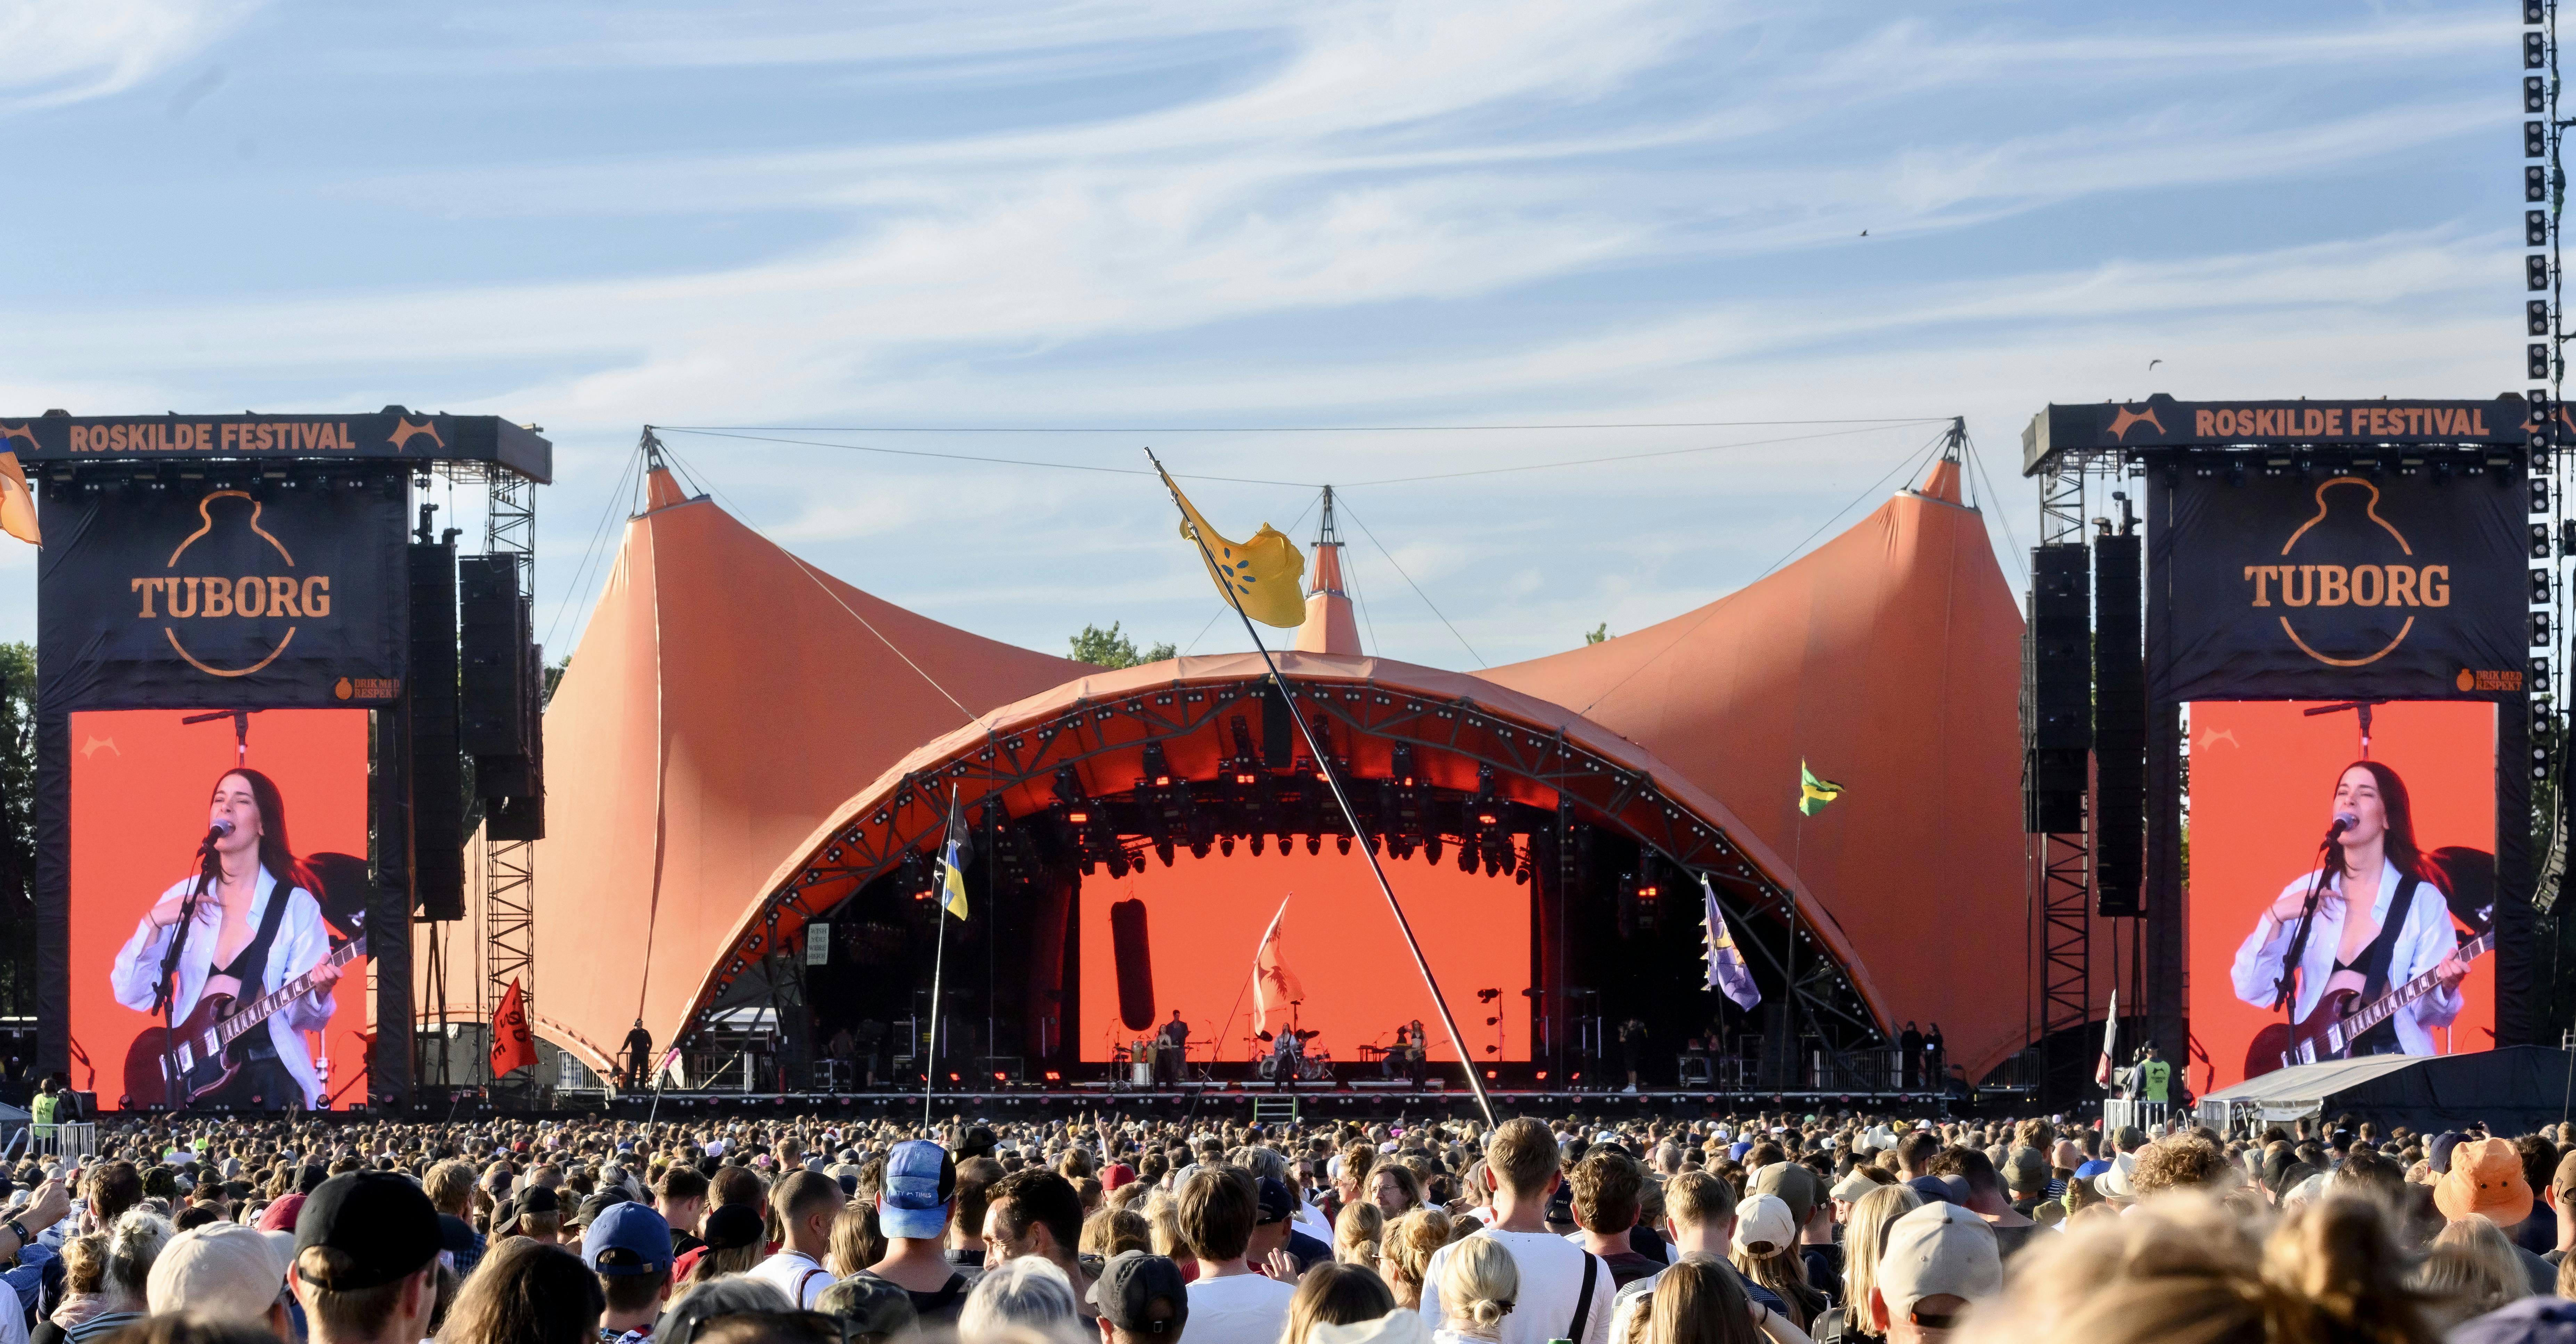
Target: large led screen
pixel 2269 780
pixel 149 789
pixel 1202 923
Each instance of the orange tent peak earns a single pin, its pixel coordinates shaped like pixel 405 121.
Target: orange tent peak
pixel 1943 482
pixel 661 491
pixel 1328 569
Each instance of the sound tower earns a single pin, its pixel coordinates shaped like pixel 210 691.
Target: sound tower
pixel 501 683
pixel 2060 723
pixel 1132 953
pixel 2119 728
pixel 438 767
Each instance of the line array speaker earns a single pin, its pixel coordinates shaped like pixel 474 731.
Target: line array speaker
pixel 437 765
pixel 2119 728
pixel 493 637
pixel 2058 708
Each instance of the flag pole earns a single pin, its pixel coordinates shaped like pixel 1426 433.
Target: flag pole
pixel 938 959
pixel 1332 780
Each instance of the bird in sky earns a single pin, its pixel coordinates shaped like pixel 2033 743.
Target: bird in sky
pixel 1864 233
pixel 2151 364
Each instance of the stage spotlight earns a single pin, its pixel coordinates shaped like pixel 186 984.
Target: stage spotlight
pixel 1255 840
pixel 1431 848
pixel 1467 855
pixel 1315 843
pixel 1225 845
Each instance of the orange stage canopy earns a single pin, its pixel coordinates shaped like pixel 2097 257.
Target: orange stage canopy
pixel 728 704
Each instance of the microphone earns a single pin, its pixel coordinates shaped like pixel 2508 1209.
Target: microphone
pixel 214 833
pixel 2343 821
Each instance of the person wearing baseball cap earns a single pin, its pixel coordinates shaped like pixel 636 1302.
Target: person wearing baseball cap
pixel 1141 1300
pixel 366 1260
pixel 917 1195
pixel 628 1246
pixel 1940 1259
pixel 226 1272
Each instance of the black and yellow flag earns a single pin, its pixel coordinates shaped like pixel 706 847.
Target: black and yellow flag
pixel 1262 574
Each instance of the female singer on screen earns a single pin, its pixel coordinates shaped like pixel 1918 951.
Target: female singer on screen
pixel 2362 938
pixel 252 865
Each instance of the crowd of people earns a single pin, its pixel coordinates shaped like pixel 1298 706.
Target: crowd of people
pixel 1766 1227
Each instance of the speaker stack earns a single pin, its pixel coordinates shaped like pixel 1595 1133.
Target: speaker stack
pixel 2060 723
pixel 2119 727
pixel 501 683
pixel 437 764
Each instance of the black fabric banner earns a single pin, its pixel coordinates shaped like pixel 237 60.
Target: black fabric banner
pixel 214 598
pixel 2341 587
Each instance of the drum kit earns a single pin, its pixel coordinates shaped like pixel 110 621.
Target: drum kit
pixel 1308 1065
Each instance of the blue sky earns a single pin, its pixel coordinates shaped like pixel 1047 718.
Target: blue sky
pixel 1155 217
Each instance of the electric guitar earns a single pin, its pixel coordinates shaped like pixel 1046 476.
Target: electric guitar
pixel 2336 1023
pixel 174 1066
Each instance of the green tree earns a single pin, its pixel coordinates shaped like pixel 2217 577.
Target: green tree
pixel 1110 648
pixel 554 676
pixel 1597 633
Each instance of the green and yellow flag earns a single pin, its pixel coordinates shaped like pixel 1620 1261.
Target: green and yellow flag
pixel 1262 573
pixel 1814 793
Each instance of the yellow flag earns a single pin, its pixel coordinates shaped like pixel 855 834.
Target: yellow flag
pixel 17 504
pixel 1262 573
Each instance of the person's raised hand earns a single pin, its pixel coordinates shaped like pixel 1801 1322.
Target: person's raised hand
pixel 52 1200
pixel 1280 1265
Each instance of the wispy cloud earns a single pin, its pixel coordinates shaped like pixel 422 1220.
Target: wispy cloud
pixel 52 53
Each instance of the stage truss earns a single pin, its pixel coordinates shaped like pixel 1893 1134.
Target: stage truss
pixel 1543 768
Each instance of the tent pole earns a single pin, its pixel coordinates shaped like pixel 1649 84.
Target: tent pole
pixel 1332 780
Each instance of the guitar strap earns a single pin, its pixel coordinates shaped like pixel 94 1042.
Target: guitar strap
pixel 2383 945
pixel 252 965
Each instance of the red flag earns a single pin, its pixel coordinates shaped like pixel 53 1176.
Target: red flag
pixel 1274 986
pixel 512 1046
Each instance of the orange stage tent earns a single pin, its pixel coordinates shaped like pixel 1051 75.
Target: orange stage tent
pixel 1889 659
pixel 729 706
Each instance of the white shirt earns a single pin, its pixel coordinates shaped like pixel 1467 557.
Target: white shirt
pixel 301 943
pixel 2422 943
pixel 1239 1309
pixel 1551 1282
pixel 795 1274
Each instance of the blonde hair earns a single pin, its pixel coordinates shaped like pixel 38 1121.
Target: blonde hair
pixel 1404 1253
pixel 1479 1286
pixel 1357 1234
pixel 1698 1303
pixel 2184 1269
pixel 1864 1241
pixel 1111 1231
pixel 2470 1271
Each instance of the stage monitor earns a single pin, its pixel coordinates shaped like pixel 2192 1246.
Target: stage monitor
pixel 147 787
pixel 1202 925
pixel 2269 780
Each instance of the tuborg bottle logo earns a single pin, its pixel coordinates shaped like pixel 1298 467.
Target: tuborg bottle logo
pixel 2349 586
pixel 231 585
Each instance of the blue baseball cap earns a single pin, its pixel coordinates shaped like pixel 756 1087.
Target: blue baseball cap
pixel 2091 1169
pixel 920 1181
pixel 627 1238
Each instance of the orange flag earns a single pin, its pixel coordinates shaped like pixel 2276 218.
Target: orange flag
pixel 17 503
pixel 1274 986
pixel 512 1046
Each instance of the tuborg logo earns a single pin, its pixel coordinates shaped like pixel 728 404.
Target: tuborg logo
pixel 2350 578
pixel 231 570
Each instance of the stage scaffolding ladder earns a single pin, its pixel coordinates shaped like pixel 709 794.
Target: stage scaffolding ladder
pixel 1274 1110
pixel 2061 862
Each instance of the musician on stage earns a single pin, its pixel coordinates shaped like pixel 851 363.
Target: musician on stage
pixel 257 925
pixel 1172 1048
pixel 2379 921
pixel 1286 1051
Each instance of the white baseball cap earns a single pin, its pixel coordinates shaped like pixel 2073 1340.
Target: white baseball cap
pixel 1764 1225
pixel 222 1270
pixel 1935 1250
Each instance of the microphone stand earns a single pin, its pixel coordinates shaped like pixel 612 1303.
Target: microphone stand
pixel 2282 991
pixel 163 998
